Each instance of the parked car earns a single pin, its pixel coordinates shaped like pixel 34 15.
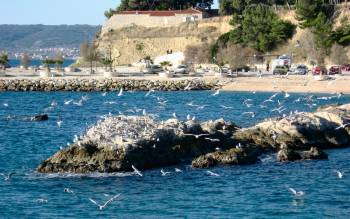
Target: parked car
pixel 280 70
pixel 345 68
pixel 153 69
pixel 181 69
pixel 334 70
pixel 319 70
pixel 299 70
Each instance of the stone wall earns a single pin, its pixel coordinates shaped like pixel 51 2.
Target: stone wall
pixel 118 21
pixel 130 44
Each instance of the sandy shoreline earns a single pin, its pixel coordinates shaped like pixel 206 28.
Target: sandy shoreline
pixel 251 83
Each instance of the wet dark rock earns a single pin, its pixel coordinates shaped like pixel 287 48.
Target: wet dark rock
pixel 43 117
pixel 314 154
pixel 234 156
pixel 285 155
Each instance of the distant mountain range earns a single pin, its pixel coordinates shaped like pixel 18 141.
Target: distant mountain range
pixel 29 37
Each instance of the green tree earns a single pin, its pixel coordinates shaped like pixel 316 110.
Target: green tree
pixel 260 28
pixel 109 13
pixel 307 11
pixel 4 61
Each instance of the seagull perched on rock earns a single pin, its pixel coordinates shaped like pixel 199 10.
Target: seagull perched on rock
pixel 101 207
pixel 296 193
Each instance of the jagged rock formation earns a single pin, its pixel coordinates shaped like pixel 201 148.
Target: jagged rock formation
pixel 322 129
pixel 116 143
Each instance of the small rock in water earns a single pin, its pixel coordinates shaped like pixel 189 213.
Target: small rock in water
pixel 43 117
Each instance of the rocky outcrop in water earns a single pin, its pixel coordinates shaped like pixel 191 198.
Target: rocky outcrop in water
pixel 117 143
pixel 81 84
pixel 323 129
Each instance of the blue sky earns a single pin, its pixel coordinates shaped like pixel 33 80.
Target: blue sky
pixel 54 11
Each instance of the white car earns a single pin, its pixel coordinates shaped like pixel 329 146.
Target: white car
pixel 181 69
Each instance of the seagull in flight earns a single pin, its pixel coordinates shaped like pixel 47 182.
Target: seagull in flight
pixel 178 170
pixel 212 173
pixel 120 92
pixel 164 173
pixel 339 174
pixel 59 122
pixel 8 176
pixel 101 207
pixel 136 170
pixel 342 126
pixel 5 104
pixel 197 136
pixel 296 193
pixel 226 107
pixel 217 92
pixel 67 102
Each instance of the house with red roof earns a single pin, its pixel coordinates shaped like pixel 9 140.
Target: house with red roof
pixel 153 18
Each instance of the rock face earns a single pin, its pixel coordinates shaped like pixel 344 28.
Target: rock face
pixel 116 143
pixel 314 154
pixel 234 156
pixel 285 155
pixel 302 131
pixel 43 117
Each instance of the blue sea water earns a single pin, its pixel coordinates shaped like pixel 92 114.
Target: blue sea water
pixel 254 191
pixel 37 62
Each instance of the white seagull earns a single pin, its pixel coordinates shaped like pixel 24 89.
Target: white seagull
pixel 212 173
pixel 340 174
pixel 216 93
pixel 136 170
pixel 8 176
pixel 120 92
pixel 101 207
pixel 178 170
pixel 296 193
pixel 164 173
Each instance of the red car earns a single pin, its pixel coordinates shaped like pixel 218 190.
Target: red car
pixel 334 70
pixel 317 70
pixel 345 68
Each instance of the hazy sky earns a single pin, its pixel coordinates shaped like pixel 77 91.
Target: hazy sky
pixel 55 11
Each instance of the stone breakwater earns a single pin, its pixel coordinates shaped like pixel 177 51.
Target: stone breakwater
pixel 103 85
pixel 116 143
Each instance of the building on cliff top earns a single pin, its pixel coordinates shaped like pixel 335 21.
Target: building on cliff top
pixel 153 18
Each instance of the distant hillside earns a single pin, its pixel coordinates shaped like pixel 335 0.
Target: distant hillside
pixel 28 37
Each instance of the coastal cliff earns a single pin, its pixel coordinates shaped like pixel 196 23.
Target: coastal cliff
pixel 115 144
pixel 130 44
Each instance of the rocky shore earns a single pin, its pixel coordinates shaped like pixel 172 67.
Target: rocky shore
pixel 82 84
pixel 116 143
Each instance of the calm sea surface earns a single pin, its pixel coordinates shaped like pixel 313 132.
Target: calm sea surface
pixel 255 191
